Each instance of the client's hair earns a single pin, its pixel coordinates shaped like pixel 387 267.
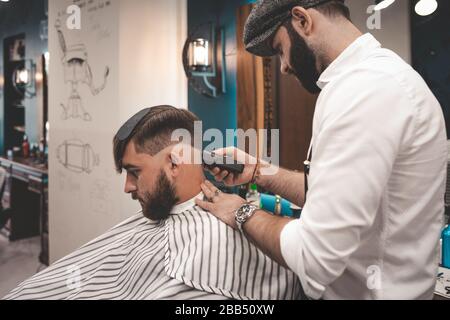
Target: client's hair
pixel 153 133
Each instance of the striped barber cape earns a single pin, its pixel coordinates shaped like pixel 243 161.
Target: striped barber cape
pixel 191 255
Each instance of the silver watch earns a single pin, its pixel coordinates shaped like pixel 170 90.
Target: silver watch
pixel 243 214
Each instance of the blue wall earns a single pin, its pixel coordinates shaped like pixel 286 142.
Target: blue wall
pixel 221 112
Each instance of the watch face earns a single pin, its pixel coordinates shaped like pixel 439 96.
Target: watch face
pixel 240 216
pixel 242 213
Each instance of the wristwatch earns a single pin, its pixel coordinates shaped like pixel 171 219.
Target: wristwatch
pixel 243 214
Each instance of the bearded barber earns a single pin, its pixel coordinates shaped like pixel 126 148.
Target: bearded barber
pixel 371 224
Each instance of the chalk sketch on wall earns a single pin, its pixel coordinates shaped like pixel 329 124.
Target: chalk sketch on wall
pixel 100 196
pixel 77 71
pixel 77 156
pixel 66 184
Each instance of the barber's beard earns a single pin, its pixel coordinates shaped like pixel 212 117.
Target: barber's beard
pixel 303 61
pixel 158 204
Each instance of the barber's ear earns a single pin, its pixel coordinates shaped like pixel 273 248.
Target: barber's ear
pixel 301 20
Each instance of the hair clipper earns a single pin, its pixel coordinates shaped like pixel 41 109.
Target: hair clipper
pixel 223 162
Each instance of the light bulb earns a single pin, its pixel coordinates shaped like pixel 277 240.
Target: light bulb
pixel 426 7
pixel 200 53
pixel 383 4
pixel 22 76
pixel 39 77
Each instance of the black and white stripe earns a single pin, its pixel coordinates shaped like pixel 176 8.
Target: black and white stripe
pixel 220 260
pixel 191 255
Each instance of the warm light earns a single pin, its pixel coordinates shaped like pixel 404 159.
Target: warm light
pixel 426 7
pixel 383 4
pixel 22 77
pixel 39 77
pixel 199 57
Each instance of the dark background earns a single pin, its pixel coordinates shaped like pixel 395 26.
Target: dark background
pixel 431 52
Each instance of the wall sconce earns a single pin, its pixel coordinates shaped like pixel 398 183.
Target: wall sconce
pixel 204 60
pixel 24 79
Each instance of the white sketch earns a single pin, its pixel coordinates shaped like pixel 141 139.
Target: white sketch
pixel 66 184
pixel 77 156
pixel 77 71
pixel 100 196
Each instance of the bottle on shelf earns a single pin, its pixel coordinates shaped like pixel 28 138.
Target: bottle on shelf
pixel 253 197
pixel 41 151
pixel 10 155
pixel 33 150
pixel 25 147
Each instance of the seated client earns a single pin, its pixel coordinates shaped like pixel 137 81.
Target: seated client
pixel 173 249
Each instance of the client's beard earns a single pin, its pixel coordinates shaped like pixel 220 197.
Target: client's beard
pixel 159 204
pixel 303 61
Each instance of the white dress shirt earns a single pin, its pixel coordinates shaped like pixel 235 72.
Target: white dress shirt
pixel 371 226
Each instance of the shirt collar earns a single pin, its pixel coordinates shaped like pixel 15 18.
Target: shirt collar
pixel 358 51
pixel 179 208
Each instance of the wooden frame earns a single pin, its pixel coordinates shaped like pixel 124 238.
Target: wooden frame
pixel 268 100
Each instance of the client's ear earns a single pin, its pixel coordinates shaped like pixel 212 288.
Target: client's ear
pixel 175 162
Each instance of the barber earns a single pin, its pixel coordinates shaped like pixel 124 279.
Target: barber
pixel 371 224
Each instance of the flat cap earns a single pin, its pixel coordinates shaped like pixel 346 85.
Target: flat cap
pixel 265 19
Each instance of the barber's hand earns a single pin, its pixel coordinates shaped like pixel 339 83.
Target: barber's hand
pixel 230 179
pixel 221 205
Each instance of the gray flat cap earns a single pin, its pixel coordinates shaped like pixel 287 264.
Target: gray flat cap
pixel 265 19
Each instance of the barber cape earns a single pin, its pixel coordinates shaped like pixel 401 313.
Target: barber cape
pixel 191 255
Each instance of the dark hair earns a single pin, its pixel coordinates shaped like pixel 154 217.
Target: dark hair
pixel 153 133
pixel 334 8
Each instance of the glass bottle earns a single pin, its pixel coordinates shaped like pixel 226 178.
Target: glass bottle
pixel 446 247
pixel 253 197
pixel 25 147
